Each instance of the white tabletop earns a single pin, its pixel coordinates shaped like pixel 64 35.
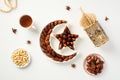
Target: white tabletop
pixel 45 11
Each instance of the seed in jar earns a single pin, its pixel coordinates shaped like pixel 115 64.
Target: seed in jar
pixel 66 39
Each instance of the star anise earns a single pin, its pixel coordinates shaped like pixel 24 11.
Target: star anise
pixel 14 30
pixel 106 18
pixel 66 39
pixel 68 8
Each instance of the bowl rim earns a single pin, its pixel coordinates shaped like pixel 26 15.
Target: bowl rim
pixel 84 62
pixel 29 58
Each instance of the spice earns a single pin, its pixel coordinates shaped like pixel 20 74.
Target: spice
pixel 93 29
pixel 66 39
pixel 25 21
pixel 73 65
pixel 20 58
pixel 45 43
pixel 93 64
pixel 68 8
pixel 106 18
pixel 28 42
pixel 14 30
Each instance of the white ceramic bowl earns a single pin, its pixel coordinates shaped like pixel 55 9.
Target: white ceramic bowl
pixel 29 59
pixel 85 61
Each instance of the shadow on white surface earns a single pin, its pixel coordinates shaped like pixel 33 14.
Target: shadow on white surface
pixel 77 43
pixel 76 58
pixel 108 47
pixel 35 29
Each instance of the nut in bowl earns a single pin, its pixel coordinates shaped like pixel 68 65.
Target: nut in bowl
pixel 21 58
pixel 93 64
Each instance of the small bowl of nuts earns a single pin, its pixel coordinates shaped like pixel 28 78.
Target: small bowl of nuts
pixel 21 58
pixel 93 64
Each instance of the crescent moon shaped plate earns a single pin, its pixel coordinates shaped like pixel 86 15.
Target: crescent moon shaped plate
pixel 46 45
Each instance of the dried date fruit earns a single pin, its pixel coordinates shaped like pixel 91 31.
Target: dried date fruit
pixel 93 64
pixel 45 43
pixel 66 39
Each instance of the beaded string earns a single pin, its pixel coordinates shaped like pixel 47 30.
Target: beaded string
pixel 9 4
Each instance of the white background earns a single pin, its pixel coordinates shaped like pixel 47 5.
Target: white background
pixel 45 11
